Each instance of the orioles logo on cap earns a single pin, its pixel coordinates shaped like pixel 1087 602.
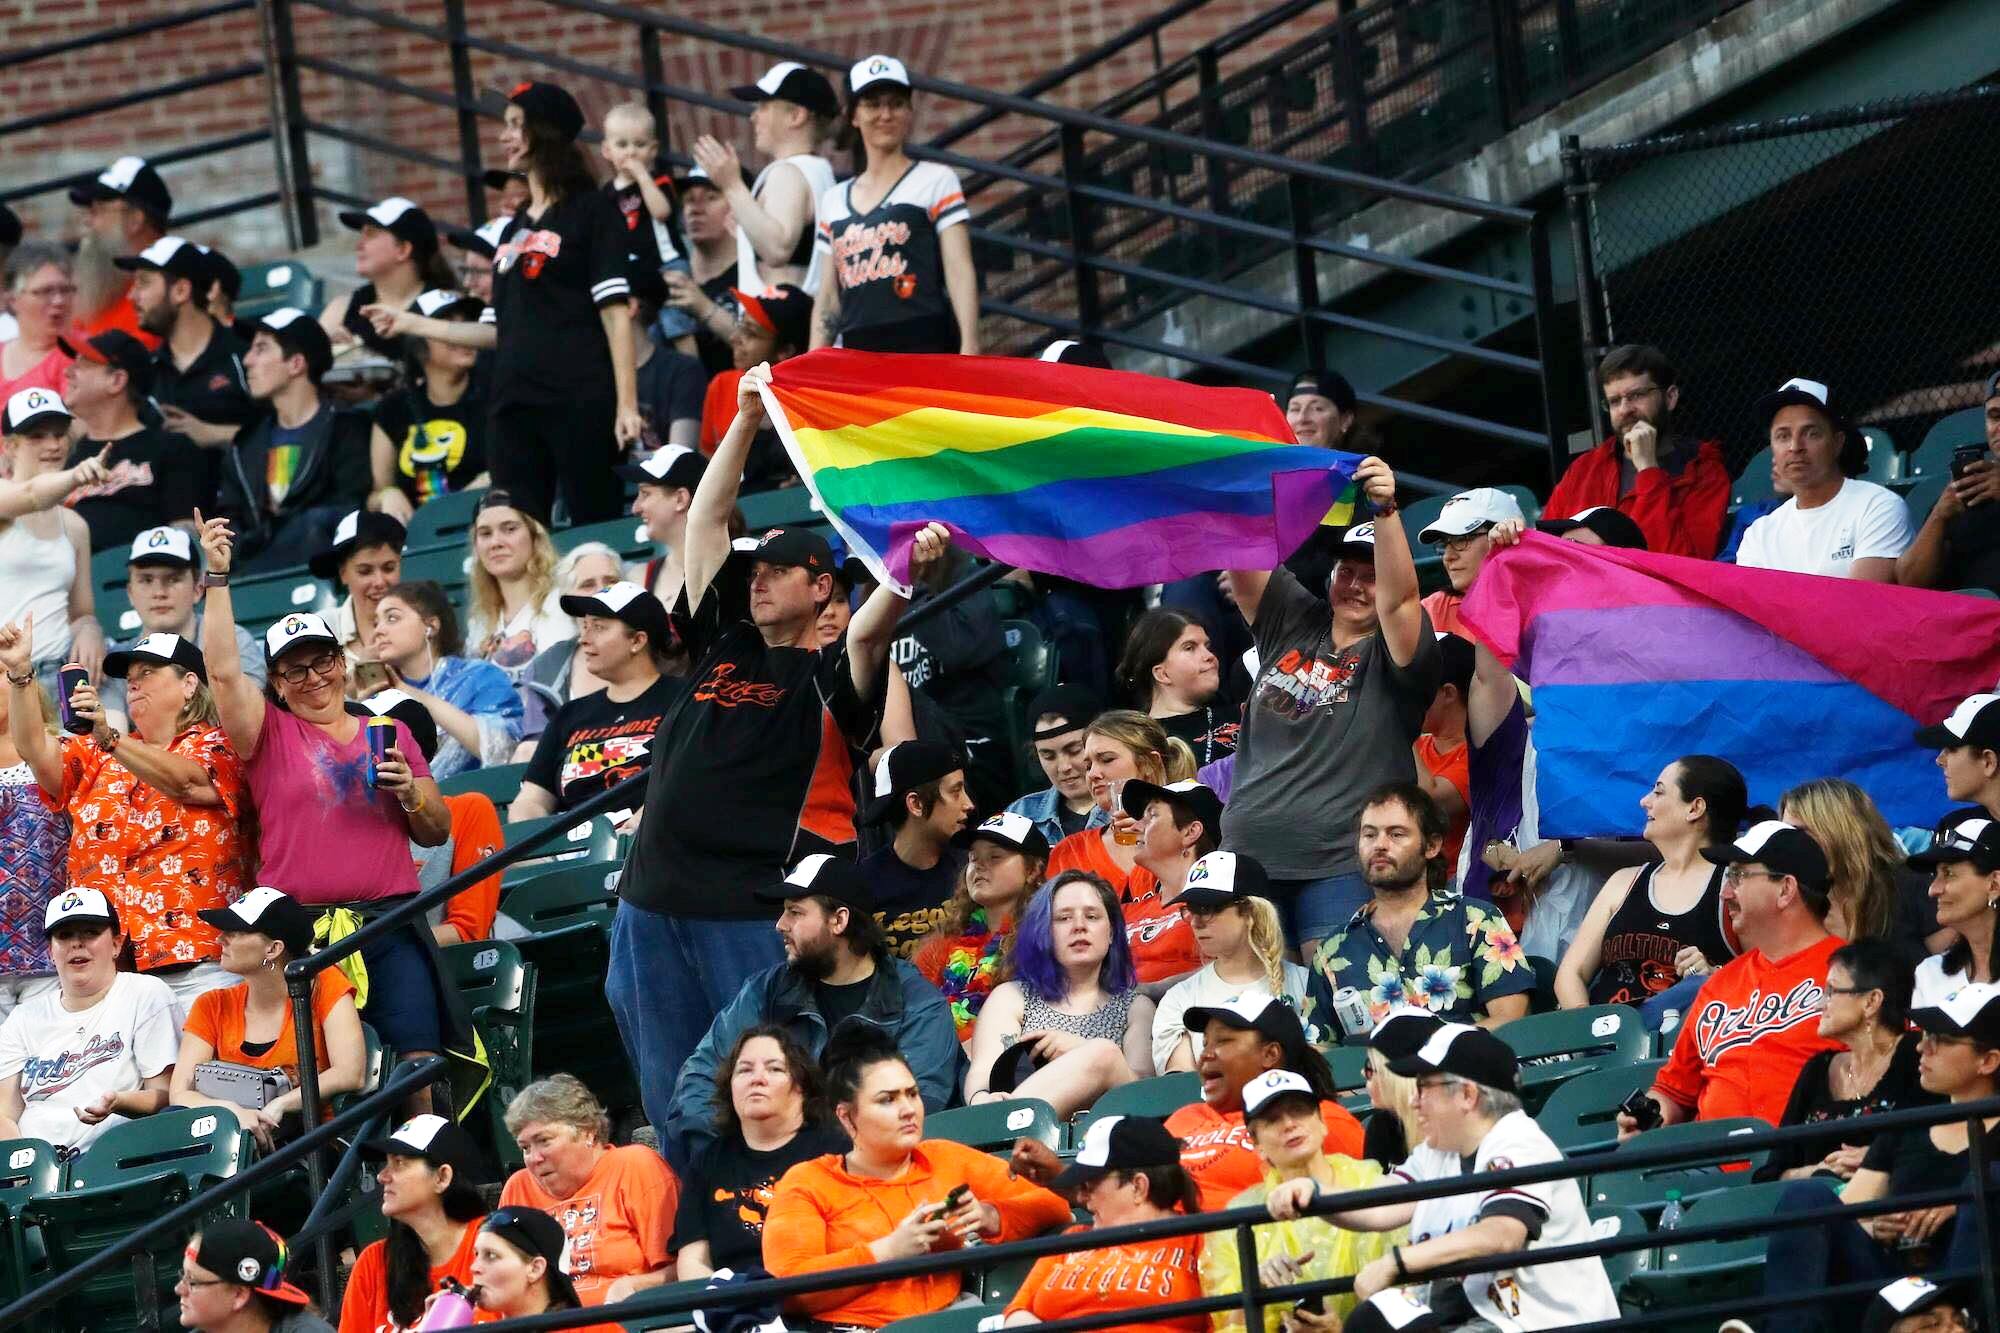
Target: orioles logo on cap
pixel 294 625
pixel 159 538
pixel 774 532
pixel 248 1271
pixel 39 399
pixel 879 65
pixel 1198 873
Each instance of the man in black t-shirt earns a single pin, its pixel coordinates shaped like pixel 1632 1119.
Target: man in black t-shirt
pixel 153 473
pixel 753 767
pixel 920 794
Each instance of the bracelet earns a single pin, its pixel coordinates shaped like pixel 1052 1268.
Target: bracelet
pixel 413 809
pixel 110 742
pixel 1396 1253
pixel 25 679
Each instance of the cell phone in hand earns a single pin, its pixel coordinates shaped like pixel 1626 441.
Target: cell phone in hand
pixel 1642 1109
pixel 1963 457
pixel 370 676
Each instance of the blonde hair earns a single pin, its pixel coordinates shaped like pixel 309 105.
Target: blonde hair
pixel 634 112
pixel 1398 1095
pixel 1160 758
pixel 198 711
pixel 489 609
pixel 958 911
pixel 1861 853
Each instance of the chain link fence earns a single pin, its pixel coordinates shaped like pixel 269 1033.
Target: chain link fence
pixel 1853 246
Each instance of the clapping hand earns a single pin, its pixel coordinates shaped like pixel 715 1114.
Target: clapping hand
pixel 719 160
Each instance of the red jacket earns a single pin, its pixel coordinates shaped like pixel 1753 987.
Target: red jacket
pixel 1681 515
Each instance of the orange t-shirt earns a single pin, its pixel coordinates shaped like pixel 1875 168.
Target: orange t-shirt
pixel 158 861
pixel 1751 1028
pixel 217 1017
pixel 1162 938
pixel 1454 767
pixel 1117 1277
pixel 822 1218
pixel 618 1222
pixel 1444 608
pixel 1084 850
pixel 718 409
pixel 475 835
pixel 1218 1154
pixel 365 1307
pixel 121 314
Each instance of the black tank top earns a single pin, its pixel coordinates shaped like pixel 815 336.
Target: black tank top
pixel 357 324
pixel 1640 941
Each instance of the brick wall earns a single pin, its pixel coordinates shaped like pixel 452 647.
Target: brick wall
pixel 997 44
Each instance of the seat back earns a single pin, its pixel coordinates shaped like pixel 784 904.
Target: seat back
pixel 1562 1044
pixel 1621 1222
pixel 197 1143
pixel 570 896
pixel 260 603
pixel 269 287
pixel 1029 664
pixel 1697 1272
pixel 627 536
pixel 594 841
pixel 1581 1115
pixel 1754 482
pixel 1350 1075
pixel 787 507
pixel 1933 456
pixel 992 1125
pixel 1645 1188
pixel 498 988
pixel 27 1167
pixel 442 519
pixel 957 1319
pixel 447 566
pixel 499 783
pixel 573 1026
pixel 1885 461
pixel 1160 1096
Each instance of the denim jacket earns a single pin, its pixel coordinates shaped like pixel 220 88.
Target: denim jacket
pixel 1043 808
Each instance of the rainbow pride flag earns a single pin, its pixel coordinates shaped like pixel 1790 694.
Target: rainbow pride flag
pixel 1103 476
pixel 1638 659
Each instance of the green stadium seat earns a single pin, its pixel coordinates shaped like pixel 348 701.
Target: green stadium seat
pixel 1698 1272
pixel 1160 1096
pixel 1350 1075
pixel 1606 1223
pixel 268 287
pixel 627 536
pixel 788 507
pixel 499 783
pixel 1923 494
pixel 998 1284
pixel 1531 508
pixel 450 567
pixel 1645 1188
pixel 136 1170
pixel 1986 593
pixel 569 896
pixel 1885 461
pixel 1543 1000
pixel 497 987
pixel 594 841
pixel 1754 482
pixel 992 1126
pixel 1558 1046
pixel 958 1319
pixel 1581 1115
pixel 1932 456
pixel 443 521
pixel 27 1167
pixel 574 1029
pixel 261 602
pixel 1030 667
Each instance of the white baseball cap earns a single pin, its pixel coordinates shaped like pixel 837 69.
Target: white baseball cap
pixel 1469 511
pixel 1274 1083
pixel 162 546
pixel 31 407
pixel 873 71
pixel 82 905
pixel 296 628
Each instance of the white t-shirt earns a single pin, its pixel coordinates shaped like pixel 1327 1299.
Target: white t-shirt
pixel 818 173
pixel 515 644
pixel 1862 521
pixel 1934 985
pixel 1552 1295
pixel 67 1060
pixel 1206 988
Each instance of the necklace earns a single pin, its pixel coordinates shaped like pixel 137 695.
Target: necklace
pixel 1853 1081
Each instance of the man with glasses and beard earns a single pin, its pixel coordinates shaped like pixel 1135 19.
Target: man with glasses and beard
pixel 837 969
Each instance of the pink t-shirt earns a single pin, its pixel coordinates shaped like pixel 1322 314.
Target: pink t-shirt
pixel 325 835
pixel 46 373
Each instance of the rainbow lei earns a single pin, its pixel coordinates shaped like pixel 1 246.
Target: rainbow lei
pixel 971 970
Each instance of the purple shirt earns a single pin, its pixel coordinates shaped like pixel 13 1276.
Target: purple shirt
pixel 325 835
pixel 1495 770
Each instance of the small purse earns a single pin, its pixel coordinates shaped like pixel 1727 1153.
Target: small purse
pixel 241 1084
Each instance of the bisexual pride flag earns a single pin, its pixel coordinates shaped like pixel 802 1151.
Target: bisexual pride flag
pixel 1102 476
pixel 1638 659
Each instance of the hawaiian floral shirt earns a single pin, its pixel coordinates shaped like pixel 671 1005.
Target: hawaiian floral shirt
pixel 1459 956
pixel 160 862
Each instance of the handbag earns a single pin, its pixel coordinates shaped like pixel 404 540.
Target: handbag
pixel 244 1085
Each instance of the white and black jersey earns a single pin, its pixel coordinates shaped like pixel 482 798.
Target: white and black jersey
pixel 550 276
pixel 888 261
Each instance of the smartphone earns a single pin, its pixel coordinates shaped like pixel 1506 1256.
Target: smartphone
pixel 1642 1109
pixel 1964 457
pixel 956 1199
pixel 370 676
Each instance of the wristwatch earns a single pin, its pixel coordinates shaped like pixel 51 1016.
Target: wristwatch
pixel 214 580
pixel 109 741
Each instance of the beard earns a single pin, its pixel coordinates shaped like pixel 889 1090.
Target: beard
pixel 1402 875
pixel 814 963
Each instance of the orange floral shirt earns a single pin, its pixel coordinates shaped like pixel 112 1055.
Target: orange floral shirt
pixel 159 861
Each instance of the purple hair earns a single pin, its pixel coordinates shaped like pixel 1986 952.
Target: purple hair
pixel 1034 960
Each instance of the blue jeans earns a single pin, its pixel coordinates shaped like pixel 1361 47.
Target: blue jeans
pixel 670 977
pixel 1805 1259
pixel 1679 996
pixel 1314 909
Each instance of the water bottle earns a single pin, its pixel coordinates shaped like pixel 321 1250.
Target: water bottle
pixel 1670 1216
pixel 451 1308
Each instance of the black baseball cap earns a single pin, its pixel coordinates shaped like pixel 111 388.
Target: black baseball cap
pixel 1782 848
pixel 499 178
pixel 221 270
pixel 174 256
pixel 1189 797
pixel 1329 384
pixel 398 216
pixel 822 875
pixel 1975 722
pixel 876 71
pixel 132 179
pixel 1466 1052
pixel 267 911
pixel 1007 829
pixel 481 240
pixel 551 105
pixel 1119 1143
pixel 1973 1010
pixel 117 349
pixel 445 302
pixel 628 603
pixel 674 466
pixel 161 649
pixel 902 769
pixel 539 1236
pixel 1403 1032
pixel 786 546
pixel 1271 1019
pixel 1221 878
pixel 299 334
pixel 437 1140
pixel 789 81
pixel 1075 704
pixel 785 311
pixel 248 1254
pixel 1963 835
pixel 1271 1088
pixel 1908 1296
pixel 1072 352
pixel 1797 392
pixel 1610 526
pixel 359 529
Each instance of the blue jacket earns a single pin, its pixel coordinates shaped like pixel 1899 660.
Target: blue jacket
pixel 900 999
pixel 1042 808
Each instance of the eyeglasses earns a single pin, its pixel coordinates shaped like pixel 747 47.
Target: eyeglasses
pixel 1735 875
pixel 319 666
pixel 52 292
pixel 1852 990
pixel 1464 540
pixel 1432 1085
pixel 1633 396
pixel 187 1281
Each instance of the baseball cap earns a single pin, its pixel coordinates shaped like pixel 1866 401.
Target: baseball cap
pixel 1973 1010
pixel 1610 526
pixel 221 270
pixel 117 349
pixel 1221 878
pixel 1358 543
pixel 1908 1296
pixel 1472 511
pixel 672 465
pixel 1008 829
pixel 628 603
pixel 1963 835
pixel 1269 1018
pixel 822 875
pixel 442 303
pixel 1328 384
pixel 876 71
pixel 358 529
pixel 499 178
pixel 1797 392
pixel 163 546
pixel 163 649
pixel 537 1235
pixel 1466 1052
pixel 1187 797
pixel 294 629
pixel 786 546
pixel 34 407
pixel 551 105
pixel 784 310
pixel 268 912
pixel 1272 1084
pixel 1975 722
pixel 248 1254
pixel 1074 704
pixel 174 256
pixel 132 179
pixel 299 334
pixel 902 769
pixel 1403 1031
pixel 789 81
pixel 87 906
pixel 1120 1143
pixel 403 708
pixel 398 216
pixel 439 1141
pixel 483 239
pixel 1781 847
pixel 1070 352
pixel 696 175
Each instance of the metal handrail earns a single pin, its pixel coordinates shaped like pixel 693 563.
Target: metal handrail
pixel 106 36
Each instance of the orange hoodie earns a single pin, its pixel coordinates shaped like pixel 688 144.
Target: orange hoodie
pixel 822 1218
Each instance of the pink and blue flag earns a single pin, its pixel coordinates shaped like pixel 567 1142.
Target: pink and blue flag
pixel 1637 659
